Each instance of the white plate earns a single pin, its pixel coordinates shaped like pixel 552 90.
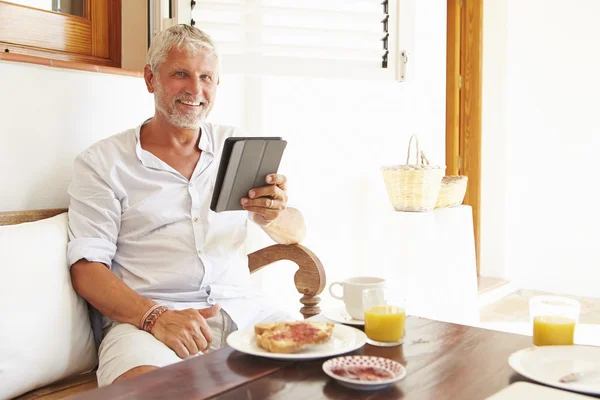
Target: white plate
pixel 396 369
pixel 547 364
pixel 341 315
pixel 344 339
pixel 529 391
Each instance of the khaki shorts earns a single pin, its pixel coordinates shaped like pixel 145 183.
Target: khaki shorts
pixel 125 347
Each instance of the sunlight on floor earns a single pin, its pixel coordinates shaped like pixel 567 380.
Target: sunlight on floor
pixel 511 314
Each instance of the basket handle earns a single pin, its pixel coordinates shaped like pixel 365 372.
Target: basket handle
pixel 409 148
pixel 424 159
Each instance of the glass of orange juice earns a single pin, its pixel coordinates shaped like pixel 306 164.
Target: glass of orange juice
pixel 385 316
pixel 554 319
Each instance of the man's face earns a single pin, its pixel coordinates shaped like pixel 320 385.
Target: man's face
pixel 185 87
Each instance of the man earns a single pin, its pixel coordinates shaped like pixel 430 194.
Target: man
pixel 145 249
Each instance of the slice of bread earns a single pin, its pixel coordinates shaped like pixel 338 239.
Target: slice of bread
pixel 291 337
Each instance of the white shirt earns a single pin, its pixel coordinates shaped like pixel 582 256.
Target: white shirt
pixel 154 228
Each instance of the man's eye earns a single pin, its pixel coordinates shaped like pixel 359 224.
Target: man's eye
pixel 206 77
pixel 180 73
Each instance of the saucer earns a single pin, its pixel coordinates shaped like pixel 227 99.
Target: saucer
pixel 341 316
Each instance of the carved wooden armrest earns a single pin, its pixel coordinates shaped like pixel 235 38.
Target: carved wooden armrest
pixel 309 279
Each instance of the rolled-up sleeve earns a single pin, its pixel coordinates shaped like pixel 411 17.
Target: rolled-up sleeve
pixel 94 214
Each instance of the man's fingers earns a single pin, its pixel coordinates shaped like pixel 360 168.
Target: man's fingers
pixel 264 203
pixel 201 341
pixel 277 179
pixel 203 336
pixel 206 334
pixel 186 332
pixel 267 202
pixel 189 342
pixel 267 191
pixel 180 349
pixel 210 311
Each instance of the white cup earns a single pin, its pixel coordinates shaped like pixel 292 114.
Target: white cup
pixel 352 289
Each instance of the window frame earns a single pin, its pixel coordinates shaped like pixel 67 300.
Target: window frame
pixel 93 39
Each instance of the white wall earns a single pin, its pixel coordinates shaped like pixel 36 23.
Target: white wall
pixel 551 140
pixel 339 132
pixel 48 116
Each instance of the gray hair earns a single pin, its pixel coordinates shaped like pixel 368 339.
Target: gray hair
pixel 181 37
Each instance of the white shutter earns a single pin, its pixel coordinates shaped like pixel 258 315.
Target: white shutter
pixel 328 38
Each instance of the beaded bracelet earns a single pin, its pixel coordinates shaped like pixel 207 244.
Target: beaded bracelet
pixel 145 316
pixel 153 317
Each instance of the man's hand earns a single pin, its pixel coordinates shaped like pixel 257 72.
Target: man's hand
pixel 185 332
pixel 267 202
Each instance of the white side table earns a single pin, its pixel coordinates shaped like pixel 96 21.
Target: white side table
pixel 431 257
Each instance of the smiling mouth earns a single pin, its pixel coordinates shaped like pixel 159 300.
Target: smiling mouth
pixel 190 103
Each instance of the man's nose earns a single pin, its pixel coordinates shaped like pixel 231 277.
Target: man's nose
pixel 194 86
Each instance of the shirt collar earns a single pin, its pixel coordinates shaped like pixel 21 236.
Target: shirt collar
pixel 207 141
pixel 205 144
pixel 138 142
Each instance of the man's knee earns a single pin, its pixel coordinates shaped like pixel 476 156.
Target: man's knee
pixel 135 372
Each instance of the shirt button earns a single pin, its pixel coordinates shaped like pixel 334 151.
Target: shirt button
pixel 196 219
pixel 210 301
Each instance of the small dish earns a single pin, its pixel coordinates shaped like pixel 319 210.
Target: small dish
pixel 364 372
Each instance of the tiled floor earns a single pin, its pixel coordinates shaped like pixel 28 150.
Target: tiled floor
pixel 515 308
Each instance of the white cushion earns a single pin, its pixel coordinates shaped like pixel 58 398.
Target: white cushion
pixel 45 333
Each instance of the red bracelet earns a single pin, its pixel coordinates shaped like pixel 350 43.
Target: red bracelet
pixel 151 320
pixel 145 316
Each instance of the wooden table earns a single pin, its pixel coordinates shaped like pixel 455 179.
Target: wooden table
pixel 443 361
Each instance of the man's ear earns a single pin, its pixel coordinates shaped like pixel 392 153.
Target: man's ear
pixel 148 75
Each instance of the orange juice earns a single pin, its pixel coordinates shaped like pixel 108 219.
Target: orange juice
pixel 385 323
pixel 553 330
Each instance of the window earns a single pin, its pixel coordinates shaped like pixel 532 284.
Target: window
pixel 321 38
pixel 92 36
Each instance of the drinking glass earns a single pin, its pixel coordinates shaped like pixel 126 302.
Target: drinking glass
pixel 385 316
pixel 554 319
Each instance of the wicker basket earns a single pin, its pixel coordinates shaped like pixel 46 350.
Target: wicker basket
pixel 452 191
pixel 413 187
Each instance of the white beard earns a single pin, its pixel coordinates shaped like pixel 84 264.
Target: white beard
pixel 175 115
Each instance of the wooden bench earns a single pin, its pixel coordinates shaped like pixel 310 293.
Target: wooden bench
pixel 309 281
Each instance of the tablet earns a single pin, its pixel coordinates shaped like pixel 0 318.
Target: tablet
pixel 245 163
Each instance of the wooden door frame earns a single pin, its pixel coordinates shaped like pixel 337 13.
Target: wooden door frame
pixel 92 39
pixel 463 100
